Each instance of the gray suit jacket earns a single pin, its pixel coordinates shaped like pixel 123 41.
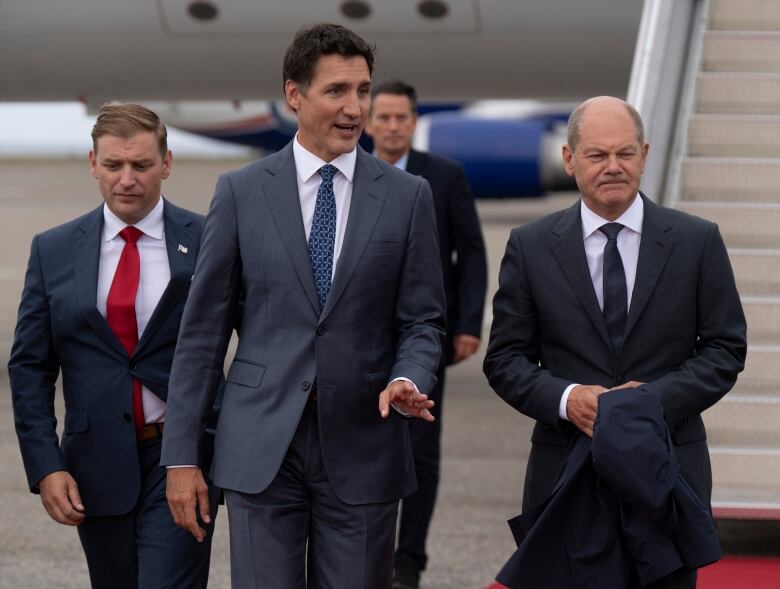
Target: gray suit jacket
pixel 684 336
pixel 384 318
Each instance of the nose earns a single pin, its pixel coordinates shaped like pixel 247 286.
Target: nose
pixel 127 178
pixel 351 106
pixel 613 165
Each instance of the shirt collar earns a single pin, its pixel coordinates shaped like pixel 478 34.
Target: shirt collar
pixel 631 218
pixel 152 224
pixel 401 163
pixel 307 164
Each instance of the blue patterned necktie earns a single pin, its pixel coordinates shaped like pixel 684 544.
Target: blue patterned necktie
pixel 615 292
pixel 322 236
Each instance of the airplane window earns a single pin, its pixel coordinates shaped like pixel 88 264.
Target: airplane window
pixel 433 8
pixel 201 10
pixel 356 9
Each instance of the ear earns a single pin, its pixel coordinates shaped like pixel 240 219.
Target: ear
pixel 568 157
pixel 92 159
pixel 415 116
pixel 645 150
pixel 167 163
pixel 292 92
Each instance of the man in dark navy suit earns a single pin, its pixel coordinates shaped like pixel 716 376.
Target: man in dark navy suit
pixel 614 292
pixel 102 302
pixel 391 124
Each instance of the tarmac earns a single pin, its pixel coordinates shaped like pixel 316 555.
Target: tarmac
pixel 485 444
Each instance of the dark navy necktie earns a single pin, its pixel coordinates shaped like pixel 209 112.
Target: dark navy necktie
pixel 322 236
pixel 615 295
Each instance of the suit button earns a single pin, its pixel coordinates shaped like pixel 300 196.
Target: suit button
pixel 306 386
pixel 320 331
pixel 127 417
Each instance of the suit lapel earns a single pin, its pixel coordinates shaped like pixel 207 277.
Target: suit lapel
pixel 416 163
pixel 180 242
pixel 654 250
pixel 86 265
pixel 569 249
pixel 368 197
pixel 281 191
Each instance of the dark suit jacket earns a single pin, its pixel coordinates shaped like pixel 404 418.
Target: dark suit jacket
pixel 60 329
pixel 620 515
pixel 684 336
pixel 460 242
pixel 384 318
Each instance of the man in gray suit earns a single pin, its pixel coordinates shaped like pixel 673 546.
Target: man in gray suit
pixel 614 292
pixel 328 262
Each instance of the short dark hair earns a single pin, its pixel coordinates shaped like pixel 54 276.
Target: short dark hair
pixel 314 41
pixel 125 120
pixel 397 88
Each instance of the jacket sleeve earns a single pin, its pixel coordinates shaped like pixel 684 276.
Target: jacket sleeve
pixel 33 368
pixel 420 308
pixel 471 268
pixel 721 343
pixel 512 358
pixel 207 324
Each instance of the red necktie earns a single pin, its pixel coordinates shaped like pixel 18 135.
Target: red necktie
pixel 120 308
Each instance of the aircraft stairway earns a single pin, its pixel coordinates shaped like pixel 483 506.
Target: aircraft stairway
pixel 729 172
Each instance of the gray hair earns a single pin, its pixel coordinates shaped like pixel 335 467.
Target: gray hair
pixel 575 121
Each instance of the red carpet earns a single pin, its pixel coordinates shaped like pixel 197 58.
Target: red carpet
pixel 733 572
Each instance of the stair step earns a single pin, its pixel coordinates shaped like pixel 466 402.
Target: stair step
pixel 757 273
pixel 742 225
pixel 741 51
pixel 763 319
pixel 738 421
pixel 742 476
pixel 761 377
pixel 751 15
pixel 743 180
pixel 738 93
pixel 745 136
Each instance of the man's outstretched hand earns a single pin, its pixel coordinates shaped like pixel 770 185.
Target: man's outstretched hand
pixel 402 395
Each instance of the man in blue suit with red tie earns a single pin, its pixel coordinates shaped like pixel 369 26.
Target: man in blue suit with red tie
pixel 102 302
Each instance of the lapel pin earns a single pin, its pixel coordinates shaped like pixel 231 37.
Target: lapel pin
pixel 182 249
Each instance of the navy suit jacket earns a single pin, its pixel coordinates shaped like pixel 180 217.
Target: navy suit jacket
pixel 460 243
pixel 620 515
pixel 60 329
pixel 684 336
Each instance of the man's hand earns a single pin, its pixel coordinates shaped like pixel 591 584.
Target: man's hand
pixel 401 395
pixel 60 497
pixel 631 384
pixel 582 405
pixel 185 490
pixel 464 346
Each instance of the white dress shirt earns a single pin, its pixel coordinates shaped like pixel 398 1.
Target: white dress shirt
pixel 628 241
pixel 154 278
pixel 307 167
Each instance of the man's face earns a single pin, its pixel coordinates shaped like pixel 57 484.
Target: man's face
pixel 129 173
pixel 391 124
pixel 332 110
pixel 608 161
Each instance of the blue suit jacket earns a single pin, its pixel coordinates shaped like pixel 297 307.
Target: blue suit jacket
pixel 60 329
pixel 384 318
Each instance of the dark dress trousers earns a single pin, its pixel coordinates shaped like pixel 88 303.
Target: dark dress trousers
pixel 620 515
pixel 60 330
pixel 465 281
pixel 684 335
pixel 293 472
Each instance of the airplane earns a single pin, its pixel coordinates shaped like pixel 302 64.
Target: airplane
pixel 229 52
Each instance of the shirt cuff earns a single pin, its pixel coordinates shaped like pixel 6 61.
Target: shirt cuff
pixel 564 399
pixel 416 390
pixel 183 466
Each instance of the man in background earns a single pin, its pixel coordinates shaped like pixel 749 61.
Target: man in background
pixel 102 301
pixel 391 124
